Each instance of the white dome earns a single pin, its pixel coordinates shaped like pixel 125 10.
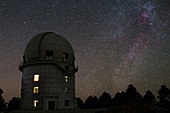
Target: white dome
pixel 47 41
pixel 48 73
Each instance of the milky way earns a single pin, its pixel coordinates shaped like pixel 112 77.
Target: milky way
pixel 116 42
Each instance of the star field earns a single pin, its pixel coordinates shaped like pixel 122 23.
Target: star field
pixel 116 42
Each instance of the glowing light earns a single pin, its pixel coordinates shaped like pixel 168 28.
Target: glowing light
pixel 36 89
pixel 66 90
pixel 36 77
pixel 35 103
pixel 66 78
pixel 140 44
pixel 144 14
pixel 142 18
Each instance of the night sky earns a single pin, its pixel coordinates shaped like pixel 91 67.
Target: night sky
pixel 116 42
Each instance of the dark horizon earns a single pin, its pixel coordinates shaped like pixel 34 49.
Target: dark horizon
pixel 112 96
pixel 125 101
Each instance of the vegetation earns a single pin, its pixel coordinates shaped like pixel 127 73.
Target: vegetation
pixel 3 106
pixel 128 101
pixel 14 104
pixel 149 97
pixel 131 101
pixel 164 94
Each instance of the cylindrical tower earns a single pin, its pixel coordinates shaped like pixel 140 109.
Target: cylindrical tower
pixel 48 73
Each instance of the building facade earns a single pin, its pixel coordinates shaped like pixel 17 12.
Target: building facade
pixel 48 73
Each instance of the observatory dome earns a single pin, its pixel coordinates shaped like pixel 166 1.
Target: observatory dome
pixel 48 73
pixel 43 43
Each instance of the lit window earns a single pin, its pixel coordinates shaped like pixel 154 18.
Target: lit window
pixel 66 90
pixel 36 89
pixel 66 78
pixel 35 103
pixel 36 77
pixel 67 103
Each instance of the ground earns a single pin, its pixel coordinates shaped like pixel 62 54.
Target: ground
pixel 59 111
pixel 132 108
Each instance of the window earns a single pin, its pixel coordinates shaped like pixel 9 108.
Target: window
pixel 66 90
pixel 35 102
pixel 49 55
pixel 66 68
pixel 66 78
pixel 36 89
pixel 66 56
pixel 36 77
pixel 67 103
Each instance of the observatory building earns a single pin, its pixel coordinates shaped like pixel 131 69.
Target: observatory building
pixel 48 73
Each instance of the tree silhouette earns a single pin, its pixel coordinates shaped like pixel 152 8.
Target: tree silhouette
pixel 164 94
pixel 88 102
pixel 117 98
pixel 91 102
pixel 132 95
pixel 14 104
pixel 96 102
pixel 120 98
pixel 79 102
pixel 1 91
pixel 138 98
pixel 105 100
pixel 149 97
pixel 2 102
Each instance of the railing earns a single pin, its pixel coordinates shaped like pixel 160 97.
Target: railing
pixel 21 65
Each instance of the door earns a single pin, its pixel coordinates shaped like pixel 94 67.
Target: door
pixel 51 105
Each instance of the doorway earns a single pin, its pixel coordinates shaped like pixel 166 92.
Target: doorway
pixel 51 105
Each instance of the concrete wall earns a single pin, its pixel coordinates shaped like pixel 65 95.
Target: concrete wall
pixel 51 87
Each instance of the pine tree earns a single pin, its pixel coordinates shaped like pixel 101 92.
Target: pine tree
pixel 2 102
pixel 149 97
pixel 14 104
pixel 105 99
pixel 132 95
pixel 164 94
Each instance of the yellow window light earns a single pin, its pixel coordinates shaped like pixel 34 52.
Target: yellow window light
pixel 35 103
pixel 66 78
pixel 36 89
pixel 36 77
